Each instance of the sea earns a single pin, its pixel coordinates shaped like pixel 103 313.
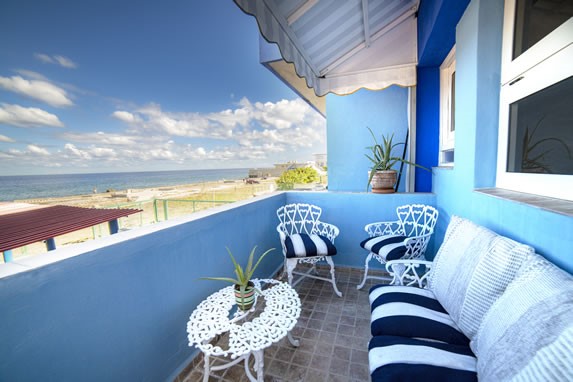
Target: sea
pixel 51 186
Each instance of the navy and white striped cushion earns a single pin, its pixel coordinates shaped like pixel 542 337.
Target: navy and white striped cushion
pixel 303 245
pixel 411 312
pixel 390 247
pixel 407 359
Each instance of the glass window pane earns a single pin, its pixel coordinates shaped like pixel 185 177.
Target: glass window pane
pixel 535 19
pixel 541 131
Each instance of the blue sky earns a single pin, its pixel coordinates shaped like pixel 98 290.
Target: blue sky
pixel 105 86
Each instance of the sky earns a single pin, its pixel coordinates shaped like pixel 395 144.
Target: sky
pixel 112 86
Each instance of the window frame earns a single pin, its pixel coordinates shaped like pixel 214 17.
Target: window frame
pixel 447 89
pixel 544 64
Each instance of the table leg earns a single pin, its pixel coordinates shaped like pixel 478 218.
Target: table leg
pixel 259 365
pixel 292 341
pixel 206 370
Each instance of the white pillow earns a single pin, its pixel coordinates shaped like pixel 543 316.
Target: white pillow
pixel 472 269
pixel 528 332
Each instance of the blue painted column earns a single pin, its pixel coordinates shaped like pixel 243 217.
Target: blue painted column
pixel 51 244
pixel 7 256
pixel 113 226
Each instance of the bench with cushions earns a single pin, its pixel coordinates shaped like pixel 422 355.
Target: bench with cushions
pixel 486 308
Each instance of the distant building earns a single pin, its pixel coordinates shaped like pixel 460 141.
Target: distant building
pixel 320 160
pixel 271 172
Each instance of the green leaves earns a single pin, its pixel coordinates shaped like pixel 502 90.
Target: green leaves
pixel 298 175
pixel 243 275
pixel 381 155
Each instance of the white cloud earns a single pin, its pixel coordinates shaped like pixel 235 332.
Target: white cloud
pixel 247 121
pixel 56 59
pixel 124 116
pixel 4 138
pixel 16 115
pixel 249 135
pixel 38 89
pixel 38 150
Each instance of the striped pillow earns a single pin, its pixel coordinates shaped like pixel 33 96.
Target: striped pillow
pixel 411 312
pixel 390 247
pixel 394 358
pixel 303 245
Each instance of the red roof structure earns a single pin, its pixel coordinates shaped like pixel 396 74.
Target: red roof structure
pixel 23 224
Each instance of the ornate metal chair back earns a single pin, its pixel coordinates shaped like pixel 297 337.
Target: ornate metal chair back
pixel 417 219
pixel 298 218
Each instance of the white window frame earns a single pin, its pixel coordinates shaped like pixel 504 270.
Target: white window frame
pixel 447 136
pixel 542 65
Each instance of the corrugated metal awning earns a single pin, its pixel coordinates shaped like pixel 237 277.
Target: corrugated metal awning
pixel 26 224
pixel 342 46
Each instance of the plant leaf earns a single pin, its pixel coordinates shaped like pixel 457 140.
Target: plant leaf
pixel 228 279
pixel 258 262
pixel 238 269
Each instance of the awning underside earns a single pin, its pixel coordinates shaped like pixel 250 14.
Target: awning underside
pixel 342 46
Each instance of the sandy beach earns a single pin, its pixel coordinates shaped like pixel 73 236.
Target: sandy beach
pixel 158 204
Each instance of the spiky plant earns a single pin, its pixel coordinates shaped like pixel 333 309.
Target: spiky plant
pixel 382 158
pixel 243 275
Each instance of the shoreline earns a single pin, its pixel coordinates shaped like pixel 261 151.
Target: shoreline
pixel 135 195
pixel 183 199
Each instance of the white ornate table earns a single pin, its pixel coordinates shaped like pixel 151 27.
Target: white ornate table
pixel 248 334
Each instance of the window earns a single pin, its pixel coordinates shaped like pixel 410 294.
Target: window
pixel 535 145
pixel 447 108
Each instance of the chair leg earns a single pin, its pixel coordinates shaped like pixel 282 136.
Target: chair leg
pixel 290 265
pixel 332 278
pixel 368 258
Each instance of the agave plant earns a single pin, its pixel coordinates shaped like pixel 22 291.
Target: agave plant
pixel 243 275
pixel 382 158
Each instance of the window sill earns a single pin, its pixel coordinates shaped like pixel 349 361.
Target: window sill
pixel 559 206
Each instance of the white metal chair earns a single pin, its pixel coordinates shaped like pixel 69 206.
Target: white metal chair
pixel 405 238
pixel 305 239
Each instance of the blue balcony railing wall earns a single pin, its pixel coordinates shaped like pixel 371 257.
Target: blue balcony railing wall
pixel 118 310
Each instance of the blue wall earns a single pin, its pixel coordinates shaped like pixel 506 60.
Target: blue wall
pixel 384 111
pixel 478 52
pixel 118 310
pixel 350 212
pixel 119 313
pixel 427 125
pixel 436 33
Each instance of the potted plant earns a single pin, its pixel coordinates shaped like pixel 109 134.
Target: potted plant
pixel 382 177
pixel 244 287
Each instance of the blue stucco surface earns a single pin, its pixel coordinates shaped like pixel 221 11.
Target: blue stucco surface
pixel 119 313
pixel 427 125
pixel 384 111
pixel 350 212
pixel 435 33
pixel 478 52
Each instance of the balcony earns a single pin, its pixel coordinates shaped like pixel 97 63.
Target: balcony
pixel 117 308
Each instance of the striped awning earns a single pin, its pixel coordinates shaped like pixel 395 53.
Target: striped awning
pixel 342 46
pixel 23 224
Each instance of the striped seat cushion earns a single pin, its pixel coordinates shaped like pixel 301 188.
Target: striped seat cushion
pixel 407 359
pixel 390 247
pixel 411 312
pixel 303 245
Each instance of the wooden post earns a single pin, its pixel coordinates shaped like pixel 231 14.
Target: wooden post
pixel 113 226
pixel 50 244
pixel 7 256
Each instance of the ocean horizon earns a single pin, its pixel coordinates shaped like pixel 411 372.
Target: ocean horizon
pixel 19 187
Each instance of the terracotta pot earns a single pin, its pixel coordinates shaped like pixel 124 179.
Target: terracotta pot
pixel 245 300
pixel 383 182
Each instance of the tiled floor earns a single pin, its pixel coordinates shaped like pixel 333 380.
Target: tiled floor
pixel 333 332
